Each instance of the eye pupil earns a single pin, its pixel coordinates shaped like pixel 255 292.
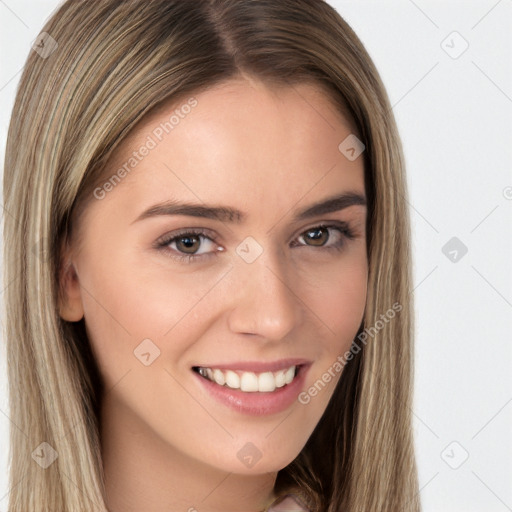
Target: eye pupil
pixel 318 236
pixel 186 244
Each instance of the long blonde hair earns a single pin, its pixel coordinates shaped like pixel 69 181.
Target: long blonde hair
pixel 101 68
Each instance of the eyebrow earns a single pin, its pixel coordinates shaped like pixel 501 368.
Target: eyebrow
pixel 228 214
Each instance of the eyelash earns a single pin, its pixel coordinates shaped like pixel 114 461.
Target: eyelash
pixel 343 228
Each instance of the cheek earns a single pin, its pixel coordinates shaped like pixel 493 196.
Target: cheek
pixel 339 304
pixel 339 298
pixel 125 304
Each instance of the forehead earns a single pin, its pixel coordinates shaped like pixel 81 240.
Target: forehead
pixel 239 141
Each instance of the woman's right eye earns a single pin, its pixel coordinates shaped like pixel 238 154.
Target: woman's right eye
pixel 188 245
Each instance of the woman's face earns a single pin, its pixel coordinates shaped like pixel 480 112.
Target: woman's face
pixel 246 265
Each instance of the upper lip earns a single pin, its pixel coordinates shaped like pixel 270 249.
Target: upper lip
pixel 257 366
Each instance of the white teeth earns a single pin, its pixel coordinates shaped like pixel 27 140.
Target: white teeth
pixel 280 378
pixel 288 376
pixel 232 380
pixel 266 382
pixel 251 382
pixel 218 377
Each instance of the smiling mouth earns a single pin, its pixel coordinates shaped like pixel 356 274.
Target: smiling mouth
pixel 249 382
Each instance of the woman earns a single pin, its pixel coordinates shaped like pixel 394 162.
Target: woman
pixel 209 255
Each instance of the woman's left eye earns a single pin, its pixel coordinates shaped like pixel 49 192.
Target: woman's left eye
pixel 319 236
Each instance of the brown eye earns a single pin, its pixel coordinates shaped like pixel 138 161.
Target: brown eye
pixel 326 237
pixel 188 244
pixel 317 236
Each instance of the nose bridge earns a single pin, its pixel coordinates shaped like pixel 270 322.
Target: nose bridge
pixel 264 302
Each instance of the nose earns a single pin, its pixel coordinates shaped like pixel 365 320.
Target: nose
pixel 264 302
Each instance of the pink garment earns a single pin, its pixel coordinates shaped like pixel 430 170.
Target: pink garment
pixel 290 503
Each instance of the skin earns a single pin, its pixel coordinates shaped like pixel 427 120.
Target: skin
pixel 166 444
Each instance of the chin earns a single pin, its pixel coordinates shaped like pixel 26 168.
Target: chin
pixel 249 460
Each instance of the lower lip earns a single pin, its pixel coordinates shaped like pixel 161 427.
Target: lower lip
pixel 257 403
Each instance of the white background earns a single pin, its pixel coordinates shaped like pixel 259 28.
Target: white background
pixel 455 120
